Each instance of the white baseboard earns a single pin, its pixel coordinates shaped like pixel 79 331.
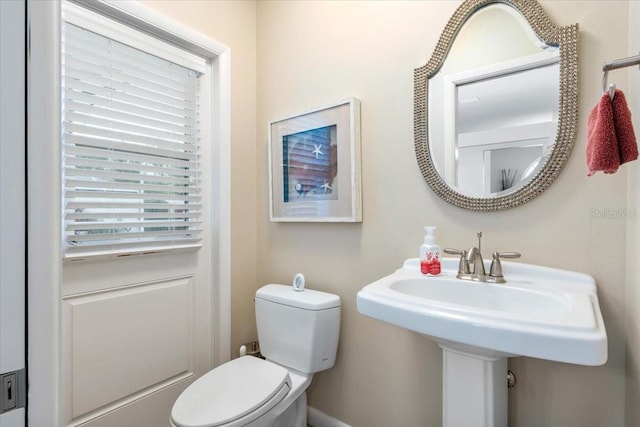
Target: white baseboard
pixel 317 418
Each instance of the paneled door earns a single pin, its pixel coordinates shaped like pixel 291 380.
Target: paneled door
pixel 136 287
pixel 136 325
pixel 119 326
pixel 12 213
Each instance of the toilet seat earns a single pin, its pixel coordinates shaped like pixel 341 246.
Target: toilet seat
pixel 233 394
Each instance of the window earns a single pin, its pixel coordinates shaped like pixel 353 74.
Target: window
pixel 131 176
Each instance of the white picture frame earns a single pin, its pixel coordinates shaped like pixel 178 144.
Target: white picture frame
pixel 314 165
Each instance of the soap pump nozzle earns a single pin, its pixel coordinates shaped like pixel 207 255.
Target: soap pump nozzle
pixel 430 235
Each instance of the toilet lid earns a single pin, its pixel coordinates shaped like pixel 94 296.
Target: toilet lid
pixel 231 391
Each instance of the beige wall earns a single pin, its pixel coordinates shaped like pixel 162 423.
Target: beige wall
pixel 234 24
pixel 632 299
pixel 314 53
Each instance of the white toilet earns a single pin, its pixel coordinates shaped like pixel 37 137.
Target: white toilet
pixel 298 333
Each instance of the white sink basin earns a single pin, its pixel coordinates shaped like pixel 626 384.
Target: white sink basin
pixel 540 312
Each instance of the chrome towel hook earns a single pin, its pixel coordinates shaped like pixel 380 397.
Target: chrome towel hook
pixel 613 65
pixel 612 86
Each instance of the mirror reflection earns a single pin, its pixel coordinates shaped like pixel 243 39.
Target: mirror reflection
pixel 493 105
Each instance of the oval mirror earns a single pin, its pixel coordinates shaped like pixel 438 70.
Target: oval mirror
pixel 495 111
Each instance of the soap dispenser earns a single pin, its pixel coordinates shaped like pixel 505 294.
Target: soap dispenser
pixel 430 253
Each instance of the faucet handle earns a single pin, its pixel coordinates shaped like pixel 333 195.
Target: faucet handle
pixel 452 251
pixel 495 272
pixel 463 266
pixel 507 255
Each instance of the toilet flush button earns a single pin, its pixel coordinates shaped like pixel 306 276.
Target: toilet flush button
pixel 298 282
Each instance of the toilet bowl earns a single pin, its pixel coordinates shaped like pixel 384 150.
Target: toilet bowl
pixel 298 333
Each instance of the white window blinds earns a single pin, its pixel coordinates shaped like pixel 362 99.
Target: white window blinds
pixel 130 148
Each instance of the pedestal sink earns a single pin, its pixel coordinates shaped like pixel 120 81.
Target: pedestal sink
pixel 540 312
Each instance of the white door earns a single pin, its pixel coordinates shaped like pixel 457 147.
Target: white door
pixel 135 329
pixel 12 212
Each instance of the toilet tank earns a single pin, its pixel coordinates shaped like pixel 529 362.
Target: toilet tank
pixel 298 329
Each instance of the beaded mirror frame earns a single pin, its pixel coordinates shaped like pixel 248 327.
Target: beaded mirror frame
pixel 566 38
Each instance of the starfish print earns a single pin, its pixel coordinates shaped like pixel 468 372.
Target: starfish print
pixel 317 150
pixel 326 187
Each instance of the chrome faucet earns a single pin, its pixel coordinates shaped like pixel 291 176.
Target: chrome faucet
pixel 471 266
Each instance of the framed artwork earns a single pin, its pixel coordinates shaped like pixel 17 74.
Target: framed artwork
pixel 314 165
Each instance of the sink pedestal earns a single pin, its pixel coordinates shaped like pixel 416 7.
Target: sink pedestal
pixel 474 390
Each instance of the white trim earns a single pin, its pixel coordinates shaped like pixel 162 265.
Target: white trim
pixel 153 22
pixel 317 418
pixel 82 17
pixel 511 66
pixel 221 216
pixel 44 230
pixel 103 255
pixel 44 234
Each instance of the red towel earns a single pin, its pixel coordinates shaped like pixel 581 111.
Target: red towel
pixel 627 145
pixel 602 146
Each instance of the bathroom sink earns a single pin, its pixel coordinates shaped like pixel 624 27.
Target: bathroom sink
pixel 540 312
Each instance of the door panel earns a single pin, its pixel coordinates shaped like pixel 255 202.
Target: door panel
pixel 135 333
pixel 160 312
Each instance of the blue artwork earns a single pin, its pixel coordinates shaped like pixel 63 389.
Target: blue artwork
pixel 310 165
